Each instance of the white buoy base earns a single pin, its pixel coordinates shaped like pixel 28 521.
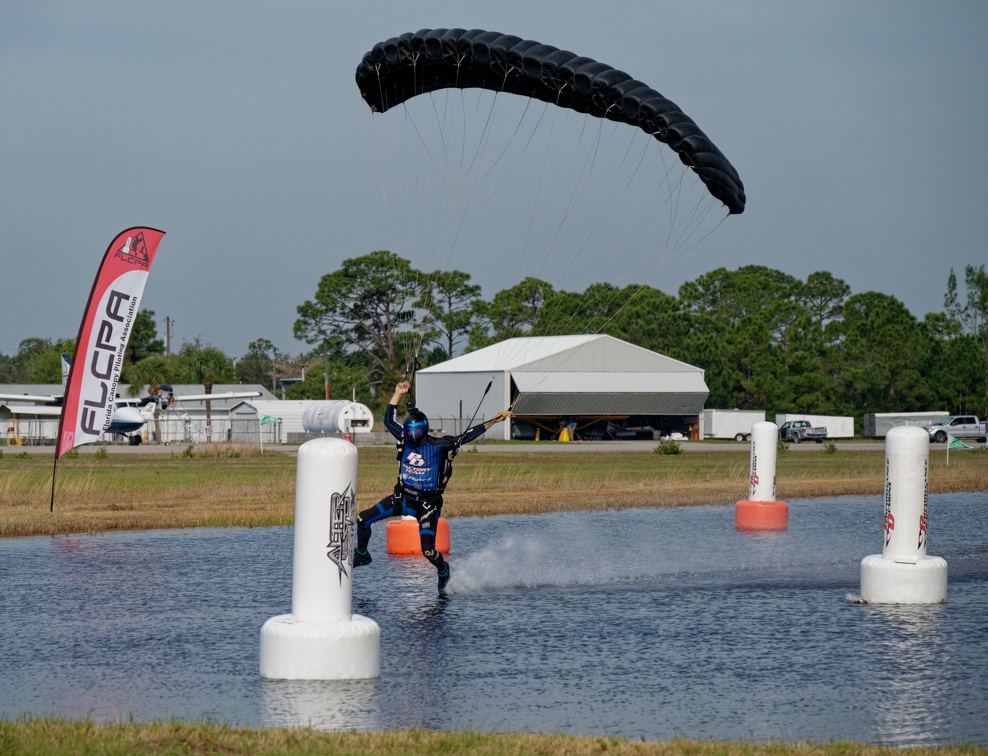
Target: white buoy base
pixel 293 649
pixel 884 581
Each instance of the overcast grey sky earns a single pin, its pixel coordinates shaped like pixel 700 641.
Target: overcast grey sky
pixel 236 127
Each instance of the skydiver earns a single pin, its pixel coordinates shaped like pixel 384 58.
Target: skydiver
pixel 425 466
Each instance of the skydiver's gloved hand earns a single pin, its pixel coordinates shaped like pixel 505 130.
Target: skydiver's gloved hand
pixel 401 389
pixel 500 417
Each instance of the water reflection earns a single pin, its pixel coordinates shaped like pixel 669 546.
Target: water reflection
pixel 641 623
pixel 321 704
pixel 911 652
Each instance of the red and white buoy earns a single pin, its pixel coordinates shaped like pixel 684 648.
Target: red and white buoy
pixel 321 639
pixel 760 511
pixel 903 573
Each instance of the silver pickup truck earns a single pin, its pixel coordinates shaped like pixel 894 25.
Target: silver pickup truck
pixel 797 431
pixel 958 426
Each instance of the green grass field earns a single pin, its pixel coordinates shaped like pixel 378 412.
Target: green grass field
pixel 55 736
pixel 225 486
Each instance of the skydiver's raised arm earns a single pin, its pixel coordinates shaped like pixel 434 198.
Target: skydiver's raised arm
pixel 479 430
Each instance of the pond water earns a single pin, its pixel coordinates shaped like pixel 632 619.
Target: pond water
pixel 637 624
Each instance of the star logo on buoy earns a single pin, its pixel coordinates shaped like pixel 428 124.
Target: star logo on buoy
pixel 340 546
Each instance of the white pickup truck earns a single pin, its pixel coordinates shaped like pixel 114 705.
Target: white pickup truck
pixel 958 426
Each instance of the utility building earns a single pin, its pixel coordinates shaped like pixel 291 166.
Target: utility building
pixel 593 386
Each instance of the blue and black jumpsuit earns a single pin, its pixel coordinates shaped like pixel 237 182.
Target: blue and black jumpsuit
pixel 424 469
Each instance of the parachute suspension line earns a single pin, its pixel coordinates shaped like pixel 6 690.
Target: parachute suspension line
pixel 413 339
pixel 483 396
pixel 471 159
pixel 617 199
pixel 380 84
pixel 538 199
pixel 379 163
pixel 438 258
pixel 497 185
pixel 439 177
pixel 642 287
pixel 471 174
pixel 475 170
pixel 498 163
pixel 443 162
pixel 578 191
pixel 676 245
pixel 683 249
pixel 579 185
pixel 504 150
pixel 678 228
pixel 395 228
pixel 685 230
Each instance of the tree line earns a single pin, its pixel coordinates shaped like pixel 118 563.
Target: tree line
pixel 766 340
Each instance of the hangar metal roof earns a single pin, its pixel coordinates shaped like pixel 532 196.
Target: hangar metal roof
pixel 555 354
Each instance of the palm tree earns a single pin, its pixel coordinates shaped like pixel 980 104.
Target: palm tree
pixel 206 365
pixel 151 371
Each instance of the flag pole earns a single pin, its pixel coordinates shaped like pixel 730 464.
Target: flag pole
pixel 54 470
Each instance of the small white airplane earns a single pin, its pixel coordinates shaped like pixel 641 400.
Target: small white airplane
pixel 130 415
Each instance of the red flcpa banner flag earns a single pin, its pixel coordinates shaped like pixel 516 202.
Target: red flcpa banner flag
pixel 91 389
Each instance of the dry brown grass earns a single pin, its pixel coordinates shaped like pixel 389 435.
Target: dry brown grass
pixel 218 487
pixel 53 736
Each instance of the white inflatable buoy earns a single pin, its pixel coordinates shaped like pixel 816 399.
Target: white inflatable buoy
pixel 760 511
pixel 321 639
pixel 903 573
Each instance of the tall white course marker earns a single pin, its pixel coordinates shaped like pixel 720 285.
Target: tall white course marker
pixel 321 639
pixel 760 511
pixel 903 573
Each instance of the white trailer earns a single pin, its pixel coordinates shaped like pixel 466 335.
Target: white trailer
pixel 836 425
pixel 877 424
pixel 736 424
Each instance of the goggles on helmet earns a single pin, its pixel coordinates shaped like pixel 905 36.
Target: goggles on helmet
pixel 415 426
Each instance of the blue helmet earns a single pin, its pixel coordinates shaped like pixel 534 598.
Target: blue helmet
pixel 415 426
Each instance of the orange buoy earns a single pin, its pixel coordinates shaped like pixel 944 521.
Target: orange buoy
pixel 760 511
pixel 761 515
pixel 403 539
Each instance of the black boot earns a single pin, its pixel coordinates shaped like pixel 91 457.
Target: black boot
pixel 443 578
pixel 361 557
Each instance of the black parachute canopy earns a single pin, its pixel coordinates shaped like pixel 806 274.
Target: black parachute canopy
pixel 414 63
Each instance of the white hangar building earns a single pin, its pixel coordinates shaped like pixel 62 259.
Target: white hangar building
pixel 596 386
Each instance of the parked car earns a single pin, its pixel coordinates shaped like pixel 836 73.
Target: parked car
pixel 958 426
pixel 797 431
